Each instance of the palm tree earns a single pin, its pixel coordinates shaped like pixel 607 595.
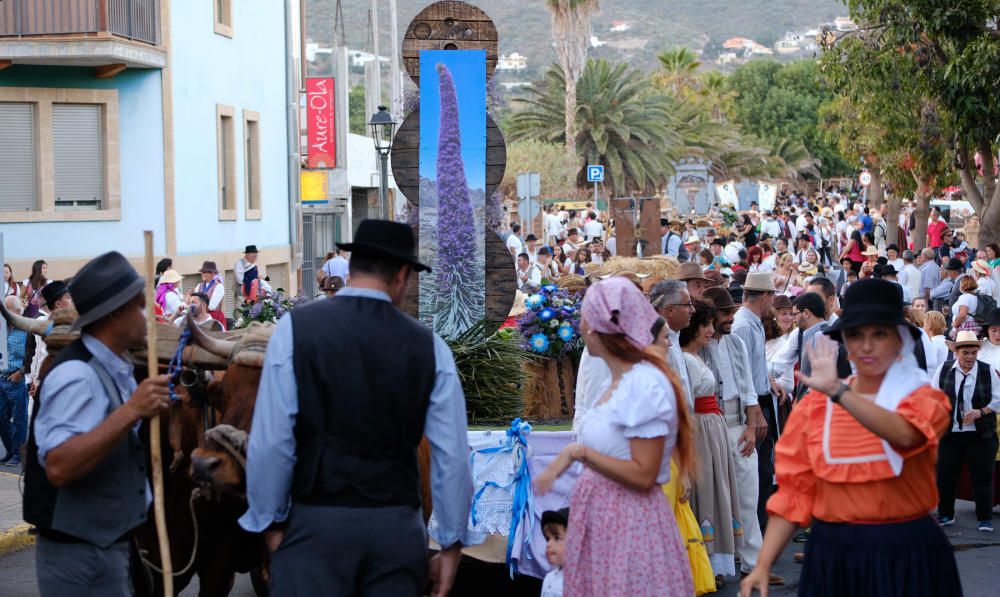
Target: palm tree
pixel 571 34
pixel 679 71
pixel 623 126
pixel 716 95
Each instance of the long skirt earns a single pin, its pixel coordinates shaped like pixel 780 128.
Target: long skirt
pixel 622 542
pixel 701 569
pixel 715 501
pixel 903 559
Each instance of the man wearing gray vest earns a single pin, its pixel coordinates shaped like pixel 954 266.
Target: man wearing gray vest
pixel 349 387
pixel 85 482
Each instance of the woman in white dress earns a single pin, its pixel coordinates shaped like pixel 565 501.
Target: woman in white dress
pixel 714 499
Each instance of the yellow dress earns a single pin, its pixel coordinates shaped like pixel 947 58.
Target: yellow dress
pixel 701 568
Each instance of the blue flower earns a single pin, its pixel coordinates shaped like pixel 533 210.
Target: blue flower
pixel 534 301
pixel 566 332
pixel 546 314
pixel 539 343
pixel 550 288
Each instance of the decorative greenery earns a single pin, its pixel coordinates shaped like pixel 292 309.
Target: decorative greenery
pixel 267 309
pixel 492 372
pixel 551 326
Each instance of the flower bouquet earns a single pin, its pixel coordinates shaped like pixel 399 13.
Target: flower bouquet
pixel 267 309
pixel 551 328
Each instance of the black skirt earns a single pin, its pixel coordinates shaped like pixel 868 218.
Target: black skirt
pixel 904 559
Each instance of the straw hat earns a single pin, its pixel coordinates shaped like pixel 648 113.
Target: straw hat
pixel 981 266
pixel 170 277
pixel 808 268
pixel 518 309
pixel 692 240
pixel 870 251
pixel 962 339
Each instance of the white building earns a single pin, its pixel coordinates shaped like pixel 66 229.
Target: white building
pixel 513 61
pixel 844 24
pixel 620 26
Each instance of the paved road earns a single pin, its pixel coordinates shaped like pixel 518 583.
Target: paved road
pixel 978 556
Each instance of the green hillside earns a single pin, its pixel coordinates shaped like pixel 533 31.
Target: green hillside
pixel 524 25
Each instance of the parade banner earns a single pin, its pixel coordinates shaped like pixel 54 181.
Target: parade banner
pixel 321 122
pixel 727 195
pixel 453 189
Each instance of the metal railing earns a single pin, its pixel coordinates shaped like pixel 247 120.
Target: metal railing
pixel 134 19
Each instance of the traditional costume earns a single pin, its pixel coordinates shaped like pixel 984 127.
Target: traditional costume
pixel 867 502
pixel 215 292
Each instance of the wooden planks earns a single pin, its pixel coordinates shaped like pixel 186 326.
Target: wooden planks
pixel 449 25
pixel 501 281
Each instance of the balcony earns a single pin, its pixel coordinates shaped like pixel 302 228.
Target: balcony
pixel 101 33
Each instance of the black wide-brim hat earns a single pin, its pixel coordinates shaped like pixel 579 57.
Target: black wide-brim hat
pixel 872 301
pixel 992 318
pixel 54 291
pixel 102 286
pixel 391 239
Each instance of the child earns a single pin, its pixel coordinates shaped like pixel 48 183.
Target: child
pixel 554 525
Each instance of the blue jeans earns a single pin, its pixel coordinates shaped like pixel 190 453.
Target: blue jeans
pixel 13 415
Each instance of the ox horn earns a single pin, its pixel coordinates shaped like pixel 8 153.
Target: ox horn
pixel 222 348
pixel 40 327
pixel 250 358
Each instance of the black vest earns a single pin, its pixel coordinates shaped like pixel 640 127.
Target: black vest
pixel 981 395
pixel 101 507
pixel 365 372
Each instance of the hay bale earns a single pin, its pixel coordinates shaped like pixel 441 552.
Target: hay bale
pixel 663 267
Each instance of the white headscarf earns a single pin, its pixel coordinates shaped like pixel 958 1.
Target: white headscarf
pixel 902 379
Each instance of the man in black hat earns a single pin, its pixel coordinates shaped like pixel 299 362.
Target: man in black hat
pixel 55 296
pixel 349 386
pixel 990 352
pixel 85 482
pixel 941 294
pixel 240 268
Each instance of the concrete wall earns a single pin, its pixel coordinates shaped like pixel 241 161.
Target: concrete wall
pixel 246 72
pixel 141 178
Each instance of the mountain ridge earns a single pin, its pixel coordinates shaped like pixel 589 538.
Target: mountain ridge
pixel 653 25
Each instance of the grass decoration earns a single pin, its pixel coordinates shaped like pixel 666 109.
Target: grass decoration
pixel 492 372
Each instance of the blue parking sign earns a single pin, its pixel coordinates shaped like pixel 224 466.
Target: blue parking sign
pixel 595 173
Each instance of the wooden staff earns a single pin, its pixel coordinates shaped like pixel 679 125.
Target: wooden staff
pixel 156 455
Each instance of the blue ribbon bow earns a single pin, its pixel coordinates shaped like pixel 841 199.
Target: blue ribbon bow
pixel 516 443
pixel 176 363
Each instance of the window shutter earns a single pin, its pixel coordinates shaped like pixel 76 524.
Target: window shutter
pixel 17 157
pixel 229 302
pixel 78 153
pixel 278 273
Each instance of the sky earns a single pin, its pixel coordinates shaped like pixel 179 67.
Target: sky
pixel 468 68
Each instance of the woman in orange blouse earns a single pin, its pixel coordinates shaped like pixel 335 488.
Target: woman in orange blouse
pixel 857 462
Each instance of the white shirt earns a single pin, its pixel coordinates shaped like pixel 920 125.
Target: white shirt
pixel 240 268
pixel 173 300
pixel 215 299
pixel 966 393
pixel 552 226
pixel 534 276
pixel 771 228
pixel 552 586
pixel 612 245
pixel 514 245
pixel 898 264
pixel 592 230
pixel 675 356
pixel 592 374
pixel 337 266
pixel 990 354
pixel 986 286
pixel 967 300
pixel 909 277
pixel 642 406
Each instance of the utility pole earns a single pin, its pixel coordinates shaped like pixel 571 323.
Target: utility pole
pixel 396 108
pixel 378 63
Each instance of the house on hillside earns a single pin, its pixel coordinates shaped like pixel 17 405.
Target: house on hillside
pixel 746 48
pixel 513 61
pixel 620 26
pixel 788 46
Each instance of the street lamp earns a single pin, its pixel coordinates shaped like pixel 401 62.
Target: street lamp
pixel 383 127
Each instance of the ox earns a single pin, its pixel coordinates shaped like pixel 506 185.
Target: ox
pixel 204 537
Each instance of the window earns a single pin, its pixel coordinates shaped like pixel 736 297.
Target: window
pixel 227 162
pixel 59 155
pixel 78 156
pixel 224 17
pixel 17 157
pixel 251 130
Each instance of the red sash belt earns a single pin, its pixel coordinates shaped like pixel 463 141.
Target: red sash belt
pixel 707 405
